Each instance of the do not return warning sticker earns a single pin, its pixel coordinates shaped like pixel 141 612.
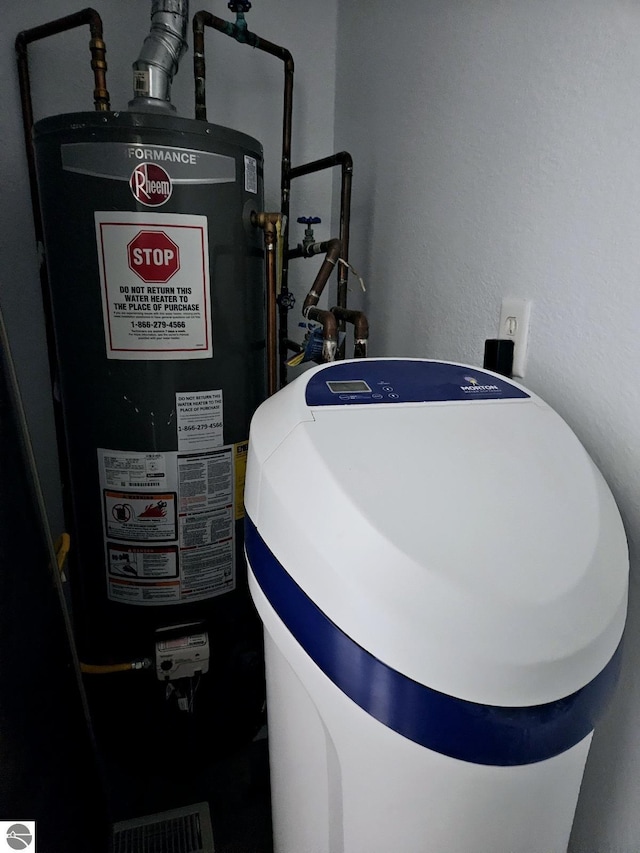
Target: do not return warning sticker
pixel 154 275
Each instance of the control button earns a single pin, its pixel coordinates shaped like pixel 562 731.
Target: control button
pixel 387 388
pixel 393 396
pixel 377 396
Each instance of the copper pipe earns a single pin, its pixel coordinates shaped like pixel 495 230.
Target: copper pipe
pixel 345 161
pixel 329 331
pixel 360 328
pixel 101 101
pixel 268 222
pixel 60 25
pixel 100 95
pixel 206 19
pixel 334 248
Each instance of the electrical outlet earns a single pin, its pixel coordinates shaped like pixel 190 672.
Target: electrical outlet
pixel 515 315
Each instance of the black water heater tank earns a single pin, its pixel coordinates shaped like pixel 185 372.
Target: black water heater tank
pixel 156 284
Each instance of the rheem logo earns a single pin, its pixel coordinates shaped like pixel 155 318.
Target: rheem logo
pixel 151 184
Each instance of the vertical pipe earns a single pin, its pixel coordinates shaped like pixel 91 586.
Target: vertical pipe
pixel 360 328
pixel 272 337
pixel 101 100
pixel 333 249
pixel 200 20
pixel 206 19
pixel 160 55
pixel 345 161
pixel 268 222
pixel 60 25
pixel 345 221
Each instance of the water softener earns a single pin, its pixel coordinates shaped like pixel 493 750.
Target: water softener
pixel 442 613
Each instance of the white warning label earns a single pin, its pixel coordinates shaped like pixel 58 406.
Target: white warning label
pixel 154 274
pixel 199 420
pixel 169 524
pixel 250 174
pixel 207 523
pixel 133 470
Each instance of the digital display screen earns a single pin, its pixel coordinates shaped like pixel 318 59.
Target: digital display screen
pixel 357 386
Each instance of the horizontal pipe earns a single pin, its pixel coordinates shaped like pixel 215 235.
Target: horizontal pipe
pixel 294 346
pixel 109 668
pixel 345 161
pixel 360 328
pixel 60 25
pixel 206 19
pixel 357 318
pixel 342 158
pixel 308 251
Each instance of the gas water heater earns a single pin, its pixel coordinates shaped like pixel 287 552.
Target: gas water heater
pixel 158 299
pixel 166 296
pixel 157 291
pixel 442 612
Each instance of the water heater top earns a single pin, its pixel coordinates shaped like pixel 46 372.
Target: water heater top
pixel 448 521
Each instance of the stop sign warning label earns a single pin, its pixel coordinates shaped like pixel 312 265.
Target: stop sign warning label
pixel 154 273
pixel 153 256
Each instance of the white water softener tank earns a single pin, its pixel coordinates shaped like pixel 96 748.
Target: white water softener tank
pixel 442 576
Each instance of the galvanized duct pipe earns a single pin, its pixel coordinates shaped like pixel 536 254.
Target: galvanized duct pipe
pixel 163 48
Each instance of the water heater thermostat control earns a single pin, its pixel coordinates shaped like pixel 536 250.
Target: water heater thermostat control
pixel 181 656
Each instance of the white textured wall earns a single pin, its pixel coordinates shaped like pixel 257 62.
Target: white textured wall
pixel 497 152
pixel 245 89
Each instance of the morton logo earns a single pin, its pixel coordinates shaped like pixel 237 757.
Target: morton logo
pixel 150 184
pixel 474 386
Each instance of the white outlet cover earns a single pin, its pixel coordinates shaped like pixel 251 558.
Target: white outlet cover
pixel 515 317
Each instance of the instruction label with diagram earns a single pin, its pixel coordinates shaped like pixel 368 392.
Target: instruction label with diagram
pixel 154 276
pixel 132 561
pixel 169 525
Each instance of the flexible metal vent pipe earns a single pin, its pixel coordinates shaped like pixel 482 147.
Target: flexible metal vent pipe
pixel 163 48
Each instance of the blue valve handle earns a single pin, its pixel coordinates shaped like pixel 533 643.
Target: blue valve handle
pixel 309 220
pixel 239 5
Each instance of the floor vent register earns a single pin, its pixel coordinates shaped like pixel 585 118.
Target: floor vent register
pixel 185 830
